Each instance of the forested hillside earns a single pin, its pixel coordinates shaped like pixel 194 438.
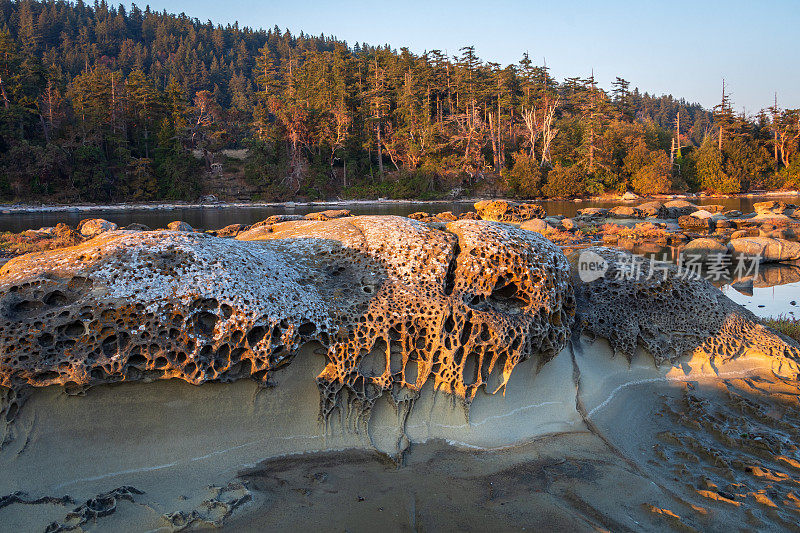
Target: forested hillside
pixel 103 103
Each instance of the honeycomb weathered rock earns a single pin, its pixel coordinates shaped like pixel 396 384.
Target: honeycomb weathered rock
pixel 668 313
pixel 457 307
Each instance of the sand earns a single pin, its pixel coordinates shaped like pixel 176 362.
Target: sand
pixel 588 442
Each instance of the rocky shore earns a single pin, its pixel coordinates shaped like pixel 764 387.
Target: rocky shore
pixel 177 378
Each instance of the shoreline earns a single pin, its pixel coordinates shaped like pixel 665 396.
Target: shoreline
pixel 169 206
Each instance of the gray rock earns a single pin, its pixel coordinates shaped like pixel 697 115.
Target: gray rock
pixel 179 225
pixel 95 226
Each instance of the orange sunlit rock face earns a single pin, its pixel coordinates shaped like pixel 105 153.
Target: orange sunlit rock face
pixel 461 307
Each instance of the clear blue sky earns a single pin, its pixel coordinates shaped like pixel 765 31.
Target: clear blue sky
pixel 677 47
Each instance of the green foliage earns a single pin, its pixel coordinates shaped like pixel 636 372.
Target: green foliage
pixel 655 177
pixel 176 170
pixel 565 182
pixel 524 179
pixel 107 104
pixel 711 173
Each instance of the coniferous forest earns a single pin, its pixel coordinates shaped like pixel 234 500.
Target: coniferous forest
pixel 106 103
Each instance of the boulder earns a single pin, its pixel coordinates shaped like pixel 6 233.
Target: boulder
pixel 231 230
pixel 95 226
pixel 668 313
pixel 593 212
pixel 629 196
pixel 419 215
pixel 537 224
pixel 137 227
pixel 469 215
pixel 275 219
pixel 765 249
pixel 569 224
pixel 329 214
pixel 786 233
pixel 774 207
pixel 504 211
pixel 679 208
pixel 132 306
pixel 446 216
pixel 653 209
pixel 705 249
pixel 691 223
pixel 713 208
pixel 179 225
pixel 625 211
pixel 738 234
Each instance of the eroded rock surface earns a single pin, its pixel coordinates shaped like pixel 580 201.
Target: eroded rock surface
pixel 461 307
pixel 503 211
pixel 669 314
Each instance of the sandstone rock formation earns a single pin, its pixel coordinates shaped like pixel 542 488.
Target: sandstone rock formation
pixel 95 226
pixel 766 249
pixel 668 314
pixel 459 307
pixel 705 249
pixel 329 214
pixel 503 211
pixel 653 209
pixel 678 208
pixel 179 225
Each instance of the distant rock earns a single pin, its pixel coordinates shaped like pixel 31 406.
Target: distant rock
pixel 629 196
pixel 231 230
pixel 691 223
pixel 705 249
pixel 446 216
pixel 179 225
pixel 95 226
pixel 625 211
pixel 775 207
pixel 537 224
pixel 766 249
pixel 208 199
pixel 679 208
pixel 330 214
pixel 504 211
pixel 137 227
pixel 653 209
pixel 593 212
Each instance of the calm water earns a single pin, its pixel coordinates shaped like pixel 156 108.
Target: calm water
pixel 214 217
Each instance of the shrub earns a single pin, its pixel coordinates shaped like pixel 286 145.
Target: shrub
pixel 655 177
pixel 524 178
pixel 563 182
pixel 710 170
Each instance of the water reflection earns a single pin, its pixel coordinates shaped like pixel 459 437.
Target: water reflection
pixel 773 290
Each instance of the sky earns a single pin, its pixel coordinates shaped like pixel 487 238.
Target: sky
pixel 678 47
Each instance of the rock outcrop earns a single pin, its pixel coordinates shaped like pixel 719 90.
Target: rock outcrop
pixel 705 249
pixel 668 313
pixel 503 211
pixel 459 307
pixel 767 250
pixel 179 225
pixel 95 226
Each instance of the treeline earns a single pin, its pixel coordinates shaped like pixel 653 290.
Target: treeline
pixel 104 103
